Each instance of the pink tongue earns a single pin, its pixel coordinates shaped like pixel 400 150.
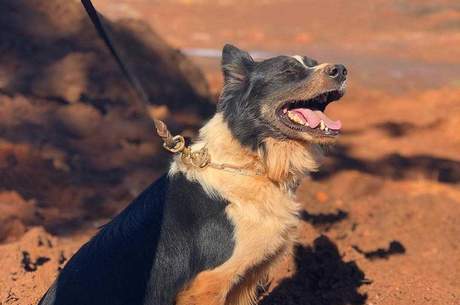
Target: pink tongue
pixel 314 118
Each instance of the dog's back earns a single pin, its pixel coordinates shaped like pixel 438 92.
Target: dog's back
pixel 172 231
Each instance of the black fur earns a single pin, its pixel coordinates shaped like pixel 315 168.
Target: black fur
pixel 170 233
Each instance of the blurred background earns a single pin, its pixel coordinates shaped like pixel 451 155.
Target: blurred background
pixel 381 223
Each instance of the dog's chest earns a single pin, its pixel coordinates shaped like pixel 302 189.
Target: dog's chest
pixel 266 227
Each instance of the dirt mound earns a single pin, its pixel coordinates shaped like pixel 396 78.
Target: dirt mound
pixel 73 139
pixel 30 265
pixel 16 215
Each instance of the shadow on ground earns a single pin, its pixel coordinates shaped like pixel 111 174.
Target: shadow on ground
pixel 394 248
pixel 394 166
pixel 401 129
pixel 324 221
pixel 322 278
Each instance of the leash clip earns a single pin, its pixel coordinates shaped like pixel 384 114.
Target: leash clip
pixel 200 158
pixel 179 144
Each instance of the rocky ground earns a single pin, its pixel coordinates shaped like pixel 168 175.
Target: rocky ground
pixel 381 221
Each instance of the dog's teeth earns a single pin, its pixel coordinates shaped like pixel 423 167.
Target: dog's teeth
pixel 297 120
pixel 326 129
pixel 322 126
pixel 285 111
pixel 295 117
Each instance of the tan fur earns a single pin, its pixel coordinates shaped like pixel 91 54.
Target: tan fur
pixel 289 160
pixel 209 287
pixel 262 209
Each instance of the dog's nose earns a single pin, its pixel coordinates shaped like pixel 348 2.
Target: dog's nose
pixel 336 71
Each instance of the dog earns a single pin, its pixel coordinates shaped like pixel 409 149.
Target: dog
pixel 209 236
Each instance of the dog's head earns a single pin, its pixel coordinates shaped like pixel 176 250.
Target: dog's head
pixel 282 98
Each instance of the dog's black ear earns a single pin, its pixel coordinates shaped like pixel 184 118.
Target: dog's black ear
pixel 236 64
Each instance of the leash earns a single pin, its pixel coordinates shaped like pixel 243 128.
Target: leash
pixel 174 144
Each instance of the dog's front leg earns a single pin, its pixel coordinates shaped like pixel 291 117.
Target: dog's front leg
pixel 245 291
pixel 208 288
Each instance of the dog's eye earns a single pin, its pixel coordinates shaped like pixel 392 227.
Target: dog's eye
pixel 310 62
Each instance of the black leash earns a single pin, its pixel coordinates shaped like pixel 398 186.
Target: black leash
pixel 97 22
pixel 174 144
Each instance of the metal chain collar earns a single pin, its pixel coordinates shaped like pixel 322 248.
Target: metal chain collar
pixel 200 158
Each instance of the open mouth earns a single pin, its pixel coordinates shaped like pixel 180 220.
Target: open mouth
pixel 308 115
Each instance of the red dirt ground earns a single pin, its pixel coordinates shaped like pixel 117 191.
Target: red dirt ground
pixel 382 218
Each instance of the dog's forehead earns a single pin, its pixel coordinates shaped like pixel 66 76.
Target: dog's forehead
pixel 282 61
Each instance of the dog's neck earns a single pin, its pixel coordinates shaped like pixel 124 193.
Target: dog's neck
pixel 284 162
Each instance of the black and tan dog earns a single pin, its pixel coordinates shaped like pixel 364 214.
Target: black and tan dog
pixel 207 236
